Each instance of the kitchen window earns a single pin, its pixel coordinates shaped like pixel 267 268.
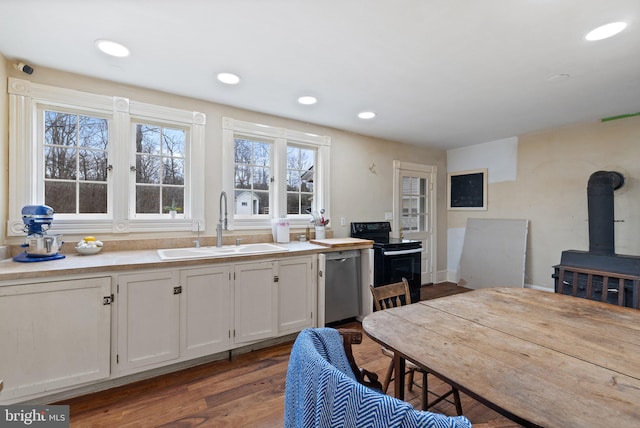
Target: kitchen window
pixel 106 164
pixel 160 169
pixel 252 176
pixel 274 172
pixel 75 150
pixel 300 190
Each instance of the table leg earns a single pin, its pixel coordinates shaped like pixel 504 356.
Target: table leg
pixel 398 381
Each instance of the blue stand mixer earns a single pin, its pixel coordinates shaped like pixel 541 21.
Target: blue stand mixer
pixel 39 246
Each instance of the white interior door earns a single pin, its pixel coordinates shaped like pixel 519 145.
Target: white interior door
pixel 414 209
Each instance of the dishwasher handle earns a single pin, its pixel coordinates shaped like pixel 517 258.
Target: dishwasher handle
pixel 342 256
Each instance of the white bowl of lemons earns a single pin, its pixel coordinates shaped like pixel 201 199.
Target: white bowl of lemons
pixel 89 245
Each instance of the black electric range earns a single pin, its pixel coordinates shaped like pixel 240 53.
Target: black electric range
pixel 394 258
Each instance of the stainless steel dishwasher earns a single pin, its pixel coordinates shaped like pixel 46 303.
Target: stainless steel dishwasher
pixel 342 285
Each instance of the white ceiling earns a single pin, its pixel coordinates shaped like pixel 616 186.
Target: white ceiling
pixel 442 73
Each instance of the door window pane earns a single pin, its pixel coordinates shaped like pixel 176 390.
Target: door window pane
pixel 414 204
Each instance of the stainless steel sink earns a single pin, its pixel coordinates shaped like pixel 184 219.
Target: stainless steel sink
pixel 225 251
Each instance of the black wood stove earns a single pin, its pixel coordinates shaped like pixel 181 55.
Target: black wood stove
pixel 601 257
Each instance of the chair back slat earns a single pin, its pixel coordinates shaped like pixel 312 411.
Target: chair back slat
pixel 389 296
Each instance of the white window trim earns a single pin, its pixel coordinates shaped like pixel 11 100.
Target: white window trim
pixel 280 136
pixel 26 97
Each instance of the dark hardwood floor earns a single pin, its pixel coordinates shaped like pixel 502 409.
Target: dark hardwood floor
pixel 245 392
pixel 440 290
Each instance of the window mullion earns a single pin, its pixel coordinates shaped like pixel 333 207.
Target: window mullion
pixel 194 196
pixel 77 164
pixel 280 179
pixel 120 158
pixel 322 181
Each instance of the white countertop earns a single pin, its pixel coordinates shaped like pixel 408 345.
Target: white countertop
pixel 109 261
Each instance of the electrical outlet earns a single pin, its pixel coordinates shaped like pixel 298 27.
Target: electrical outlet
pixel 388 216
pixel 343 221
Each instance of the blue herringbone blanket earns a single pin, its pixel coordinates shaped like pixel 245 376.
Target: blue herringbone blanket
pixel 322 392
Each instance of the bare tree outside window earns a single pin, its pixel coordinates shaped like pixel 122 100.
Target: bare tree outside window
pixel 252 176
pixel 160 169
pixel 300 174
pixel 75 162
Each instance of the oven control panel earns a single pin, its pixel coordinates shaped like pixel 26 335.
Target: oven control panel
pixel 370 227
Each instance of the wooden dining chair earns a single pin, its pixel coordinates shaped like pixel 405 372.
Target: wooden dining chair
pixel 363 376
pixel 394 295
pixel 321 391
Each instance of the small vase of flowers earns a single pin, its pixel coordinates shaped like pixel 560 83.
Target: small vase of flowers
pixel 173 209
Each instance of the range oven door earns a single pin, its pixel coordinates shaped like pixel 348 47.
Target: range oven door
pixel 391 265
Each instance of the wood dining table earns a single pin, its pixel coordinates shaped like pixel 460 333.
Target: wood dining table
pixel 538 358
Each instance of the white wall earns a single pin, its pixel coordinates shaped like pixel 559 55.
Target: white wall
pixel 500 158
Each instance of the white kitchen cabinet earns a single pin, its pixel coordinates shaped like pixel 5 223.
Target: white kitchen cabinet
pixel 205 310
pixel 54 335
pixel 296 294
pixel 255 301
pixel 148 319
pixel 76 331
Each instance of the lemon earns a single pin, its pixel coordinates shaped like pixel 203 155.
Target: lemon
pixel 89 238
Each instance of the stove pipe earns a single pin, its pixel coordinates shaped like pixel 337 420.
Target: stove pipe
pixel 600 207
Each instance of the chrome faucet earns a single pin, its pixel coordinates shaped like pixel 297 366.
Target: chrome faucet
pixel 222 224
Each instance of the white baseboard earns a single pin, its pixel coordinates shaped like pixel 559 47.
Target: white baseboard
pixel 446 276
pixel 539 287
pixel 452 276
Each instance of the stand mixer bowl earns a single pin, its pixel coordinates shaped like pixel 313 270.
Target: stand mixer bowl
pixel 42 245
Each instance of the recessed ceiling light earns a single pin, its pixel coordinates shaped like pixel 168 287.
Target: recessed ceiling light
pixel 112 48
pixel 366 115
pixel 228 78
pixel 307 100
pixel 606 31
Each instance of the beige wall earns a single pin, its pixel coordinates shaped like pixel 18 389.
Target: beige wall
pixel 550 188
pixel 356 193
pixel 551 191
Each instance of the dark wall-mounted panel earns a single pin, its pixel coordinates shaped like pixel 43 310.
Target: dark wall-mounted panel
pixel 468 190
